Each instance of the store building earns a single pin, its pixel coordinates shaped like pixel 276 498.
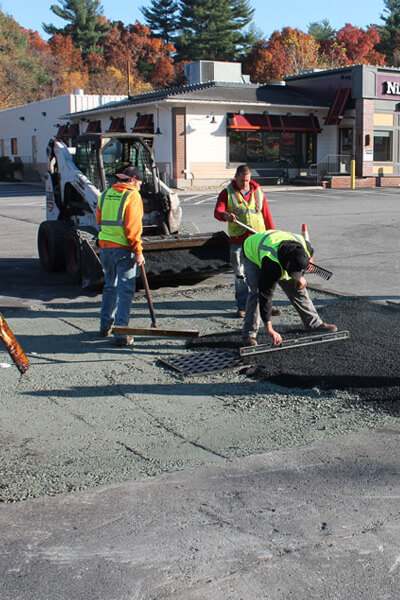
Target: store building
pixel 304 129
pixel 26 130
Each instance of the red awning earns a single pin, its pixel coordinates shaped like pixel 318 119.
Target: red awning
pixel 249 122
pixel 117 124
pixel 144 124
pixel 94 127
pixel 337 107
pixel 254 122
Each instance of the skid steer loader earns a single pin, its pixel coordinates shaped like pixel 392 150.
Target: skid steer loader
pixel 75 179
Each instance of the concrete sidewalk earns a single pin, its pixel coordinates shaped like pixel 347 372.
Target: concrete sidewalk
pixel 321 521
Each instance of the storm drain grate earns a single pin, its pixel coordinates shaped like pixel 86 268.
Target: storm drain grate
pixel 204 362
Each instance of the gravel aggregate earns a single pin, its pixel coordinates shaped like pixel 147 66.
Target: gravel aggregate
pixel 87 413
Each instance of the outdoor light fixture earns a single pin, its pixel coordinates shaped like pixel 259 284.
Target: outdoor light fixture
pixel 22 118
pixel 158 130
pixel 44 114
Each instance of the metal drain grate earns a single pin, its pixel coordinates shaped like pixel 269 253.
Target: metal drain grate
pixel 204 362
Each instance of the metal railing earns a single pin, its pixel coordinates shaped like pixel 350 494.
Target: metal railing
pixel 331 164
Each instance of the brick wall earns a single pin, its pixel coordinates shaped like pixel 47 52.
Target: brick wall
pixel 364 127
pixel 179 143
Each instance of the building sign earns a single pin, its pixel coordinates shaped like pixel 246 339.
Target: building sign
pixel 388 87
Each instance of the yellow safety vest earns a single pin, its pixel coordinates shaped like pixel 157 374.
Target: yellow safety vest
pixel 248 212
pixel 112 206
pixel 266 244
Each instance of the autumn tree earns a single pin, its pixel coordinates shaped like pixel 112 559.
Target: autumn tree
pixel 67 67
pixel 22 75
pixel 87 25
pixel 148 58
pixel 360 45
pixel 285 53
pixel 161 18
pixel 213 30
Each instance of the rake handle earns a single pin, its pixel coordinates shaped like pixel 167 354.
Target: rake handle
pixel 148 296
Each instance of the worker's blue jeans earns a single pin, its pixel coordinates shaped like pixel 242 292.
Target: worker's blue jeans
pixel 119 286
pixel 241 287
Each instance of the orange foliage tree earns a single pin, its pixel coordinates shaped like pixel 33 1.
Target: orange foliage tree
pixel 359 45
pixel 285 53
pixel 149 57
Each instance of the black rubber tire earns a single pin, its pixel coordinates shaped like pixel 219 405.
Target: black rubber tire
pixel 72 254
pixel 50 244
pixel 73 250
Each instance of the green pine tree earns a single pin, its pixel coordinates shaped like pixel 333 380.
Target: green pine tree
pixel 87 26
pixel 321 30
pixel 210 30
pixel 162 19
pixel 389 32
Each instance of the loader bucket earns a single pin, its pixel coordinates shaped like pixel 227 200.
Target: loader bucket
pixel 175 259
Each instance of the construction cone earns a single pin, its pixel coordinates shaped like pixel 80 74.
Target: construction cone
pixel 304 233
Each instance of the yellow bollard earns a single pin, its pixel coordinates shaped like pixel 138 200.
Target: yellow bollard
pixel 353 174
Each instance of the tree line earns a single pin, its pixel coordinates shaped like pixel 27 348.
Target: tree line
pixel 109 57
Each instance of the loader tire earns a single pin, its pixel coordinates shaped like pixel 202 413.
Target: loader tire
pixel 50 243
pixel 73 248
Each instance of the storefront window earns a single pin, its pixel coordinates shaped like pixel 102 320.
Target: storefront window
pixel 383 146
pixel 254 147
pixel 237 147
pixel 293 149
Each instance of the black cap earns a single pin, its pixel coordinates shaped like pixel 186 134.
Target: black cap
pixel 130 173
pixel 298 260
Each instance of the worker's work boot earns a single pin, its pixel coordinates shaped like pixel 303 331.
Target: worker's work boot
pixel 249 341
pixel 105 331
pixel 126 340
pixel 276 312
pixel 326 327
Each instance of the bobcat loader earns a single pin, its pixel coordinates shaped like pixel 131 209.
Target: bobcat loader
pixel 74 181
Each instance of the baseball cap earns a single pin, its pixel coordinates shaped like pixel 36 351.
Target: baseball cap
pixel 298 262
pixel 130 173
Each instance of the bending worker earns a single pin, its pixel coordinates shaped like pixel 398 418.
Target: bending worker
pixel 277 257
pixel 243 200
pixel 119 213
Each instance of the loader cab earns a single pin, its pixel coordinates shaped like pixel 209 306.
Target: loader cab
pixel 101 156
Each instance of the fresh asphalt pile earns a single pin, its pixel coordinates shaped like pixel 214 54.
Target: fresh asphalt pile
pixel 87 413
pixel 366 364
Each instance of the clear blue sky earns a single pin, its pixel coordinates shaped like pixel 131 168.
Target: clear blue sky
pixel 269 15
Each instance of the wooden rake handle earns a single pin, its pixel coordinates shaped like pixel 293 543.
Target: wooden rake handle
pixel 148 296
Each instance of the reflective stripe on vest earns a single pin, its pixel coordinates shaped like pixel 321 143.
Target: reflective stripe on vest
pixel 248 212
pixel 266 244
pixel 112 206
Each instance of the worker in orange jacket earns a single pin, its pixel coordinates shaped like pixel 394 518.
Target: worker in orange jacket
pixel 119 213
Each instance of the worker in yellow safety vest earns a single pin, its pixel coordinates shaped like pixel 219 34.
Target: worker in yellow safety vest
pixel 119 213
pixel 277 257
pixel 242 201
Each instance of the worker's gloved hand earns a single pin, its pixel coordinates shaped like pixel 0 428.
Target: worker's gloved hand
pixel 139 259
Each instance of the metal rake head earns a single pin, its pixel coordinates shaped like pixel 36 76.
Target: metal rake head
pixel 324 273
